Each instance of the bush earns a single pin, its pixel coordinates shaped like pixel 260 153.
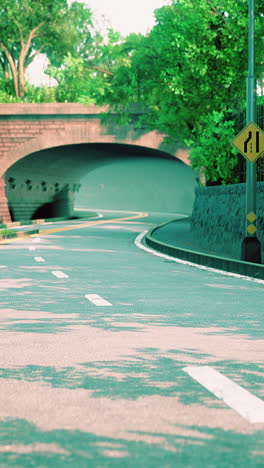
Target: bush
pixel 212 153
pixel 7 92
pixel 39 94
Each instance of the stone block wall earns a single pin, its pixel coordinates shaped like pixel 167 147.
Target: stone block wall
pixel 219 217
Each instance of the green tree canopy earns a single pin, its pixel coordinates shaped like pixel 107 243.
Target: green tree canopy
pixel 87 77
pixel 193 62
pixel 29 27
pixel 190 72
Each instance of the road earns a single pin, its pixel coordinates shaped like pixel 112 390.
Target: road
pixel 112 356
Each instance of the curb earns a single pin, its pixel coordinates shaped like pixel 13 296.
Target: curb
pixel 240 267
pixel 15 234
pixel 31 221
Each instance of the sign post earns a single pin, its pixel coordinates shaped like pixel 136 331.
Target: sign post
pixel 250 143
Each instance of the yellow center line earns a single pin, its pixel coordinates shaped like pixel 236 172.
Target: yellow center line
pixel 75 226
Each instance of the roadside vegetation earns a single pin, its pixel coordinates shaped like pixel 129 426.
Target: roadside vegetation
pixel 5 232
pixel 189 71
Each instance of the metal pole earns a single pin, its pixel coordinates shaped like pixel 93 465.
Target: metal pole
pixel 251 248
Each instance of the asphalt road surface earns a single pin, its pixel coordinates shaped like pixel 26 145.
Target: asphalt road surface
pixel 112 356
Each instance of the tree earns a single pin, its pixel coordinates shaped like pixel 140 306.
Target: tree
pixel 29 27
pixel 87 77
pixel 192 63
pixel 212 154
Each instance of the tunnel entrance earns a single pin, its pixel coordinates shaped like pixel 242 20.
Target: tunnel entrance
pixel 53 182
pixel 48 210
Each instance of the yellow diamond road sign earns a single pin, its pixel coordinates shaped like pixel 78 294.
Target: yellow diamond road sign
pixel 251 217
pixel 251 229
pixel 250 142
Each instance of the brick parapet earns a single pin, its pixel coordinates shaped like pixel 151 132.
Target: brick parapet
pixel 51 108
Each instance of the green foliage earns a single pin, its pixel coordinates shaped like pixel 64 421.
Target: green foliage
pixel 212 154
pixel 87 78
pixel 70 78
pixel 72 33
pixel 191 63
pixel 6 92
pixel 7 232
pixel 39 94
pixel 6 86
pixel 188 71
pixel 29 27
pixel 9 98
pixel 76 82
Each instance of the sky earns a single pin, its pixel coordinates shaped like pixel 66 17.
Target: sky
pixel 125 16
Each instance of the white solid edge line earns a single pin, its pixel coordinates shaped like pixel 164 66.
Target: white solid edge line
pixel 97 300
pixel 107 211
pixel 99 215
pixel 39 259
pixel 242 401
pixel 196 265
pixel 59 274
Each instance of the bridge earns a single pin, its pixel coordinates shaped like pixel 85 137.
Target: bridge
pixel 46 150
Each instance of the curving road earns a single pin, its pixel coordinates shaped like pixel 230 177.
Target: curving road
pixel 112 356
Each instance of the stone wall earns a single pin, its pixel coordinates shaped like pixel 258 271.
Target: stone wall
pixel 219 217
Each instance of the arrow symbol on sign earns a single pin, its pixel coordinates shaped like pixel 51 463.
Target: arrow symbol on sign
pixel 247 141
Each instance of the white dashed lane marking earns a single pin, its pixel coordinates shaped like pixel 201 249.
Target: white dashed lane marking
pixel 32 248
pixel 243 402
pixel 97 300
pixel 39 259
pixel 59 274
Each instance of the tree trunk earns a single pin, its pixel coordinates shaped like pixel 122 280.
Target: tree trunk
pixel 21 71
pixel 5 67
pixel 6 73
pixel 21 80
pixel 12 67
pixel 15 80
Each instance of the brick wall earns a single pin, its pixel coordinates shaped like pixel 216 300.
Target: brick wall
pixel 4 211
pixel 28 128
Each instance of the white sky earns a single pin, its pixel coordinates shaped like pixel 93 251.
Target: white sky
pixel 125 16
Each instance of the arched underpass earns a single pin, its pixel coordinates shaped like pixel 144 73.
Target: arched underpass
pixel 54 181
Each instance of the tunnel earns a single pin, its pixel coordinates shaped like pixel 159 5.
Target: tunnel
pixel 64 180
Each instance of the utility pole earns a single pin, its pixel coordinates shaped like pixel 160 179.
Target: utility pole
pixel 250 142
pixel 251 248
